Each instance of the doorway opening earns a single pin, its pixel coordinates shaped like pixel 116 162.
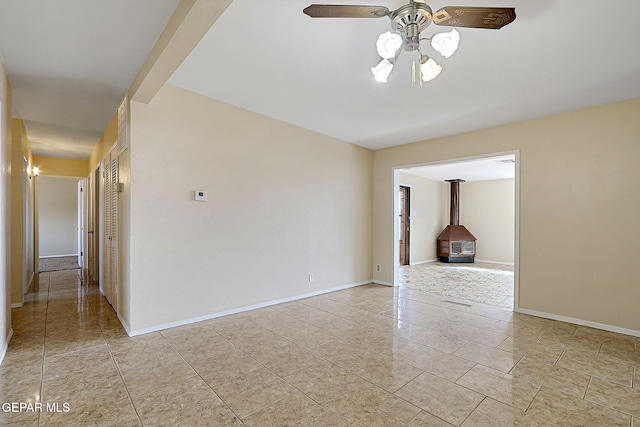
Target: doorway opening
pixel 488 208
pixel 404 203
pixel 61 222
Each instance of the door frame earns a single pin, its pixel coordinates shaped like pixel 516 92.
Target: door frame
pixel 93 223
pixel 407 229
pixel 395 170
pixel 82 222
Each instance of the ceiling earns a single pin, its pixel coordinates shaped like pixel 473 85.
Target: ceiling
pixel 70 62
pixel 498 167
pixel 558 55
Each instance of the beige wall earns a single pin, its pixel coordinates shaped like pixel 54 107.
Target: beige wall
pixel 487 210
pixel 54 166
pixel 282 202
pixel 427 216
pixel 108 138
pixel 5 211
pixel 578 181
pixel 22 208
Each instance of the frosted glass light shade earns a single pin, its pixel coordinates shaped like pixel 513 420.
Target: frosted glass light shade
pixel 388 44
pixel 429 69
pixel 382 70
pixel 446 43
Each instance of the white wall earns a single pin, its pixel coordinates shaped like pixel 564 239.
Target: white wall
pixel 283 202
pixel 58 215
pixel 487 209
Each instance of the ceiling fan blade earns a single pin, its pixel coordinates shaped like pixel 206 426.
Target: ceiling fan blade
pixel 475 17
pixel 345 11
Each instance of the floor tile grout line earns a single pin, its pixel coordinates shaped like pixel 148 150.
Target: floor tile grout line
pixel 555 363
pixel 383 390
pixel 584 395
pixel 44 342
pixel 93 308
pixel 532 400
pixel 204 381
pixel 322 359
pixel 474 409
pixel 599 351
pixel 293 319
pixel 124 384
pixel 285 380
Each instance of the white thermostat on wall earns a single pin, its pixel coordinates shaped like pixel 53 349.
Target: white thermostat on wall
pixel 200 196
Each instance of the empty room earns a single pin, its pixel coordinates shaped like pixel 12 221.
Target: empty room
pixel 409 213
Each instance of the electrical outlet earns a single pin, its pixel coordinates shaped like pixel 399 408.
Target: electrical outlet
pixel 378 267
pixel 311 277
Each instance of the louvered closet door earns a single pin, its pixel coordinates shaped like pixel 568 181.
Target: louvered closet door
pixel 111 228
pixel 114 229
pixel 106 272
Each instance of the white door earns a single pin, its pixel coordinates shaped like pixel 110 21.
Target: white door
pixel 110 270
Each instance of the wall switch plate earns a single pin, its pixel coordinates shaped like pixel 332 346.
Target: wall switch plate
pixel 200 196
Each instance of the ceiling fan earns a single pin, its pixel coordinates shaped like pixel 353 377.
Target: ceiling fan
pixel 408 21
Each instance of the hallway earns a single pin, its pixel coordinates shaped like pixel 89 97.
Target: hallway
pixel 59 354
pixel 369 355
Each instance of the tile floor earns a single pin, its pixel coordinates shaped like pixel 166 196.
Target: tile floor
pixel 370 355
pixel 479 282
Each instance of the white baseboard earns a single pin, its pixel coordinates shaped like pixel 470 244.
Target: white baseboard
pixel 5 347
pixel 493 262
pixel 33 276
pixel 57 256
pixel 125 325
pixel 17 305
pixel 579 322
pixel 380 282
pixel 423 262
pixel 136 332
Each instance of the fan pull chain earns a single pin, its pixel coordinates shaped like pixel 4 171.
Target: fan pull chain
pixel 414 67
pixel 416 71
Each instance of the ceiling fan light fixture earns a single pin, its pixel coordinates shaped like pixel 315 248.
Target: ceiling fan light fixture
pixel 382 70
pixel 429 69
pixel 446 43
pixel 388 44
pixel 408 21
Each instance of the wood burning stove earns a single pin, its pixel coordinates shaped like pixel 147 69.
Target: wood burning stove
pixel 456 243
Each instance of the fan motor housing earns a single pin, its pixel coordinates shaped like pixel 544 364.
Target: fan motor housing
pixel 411 16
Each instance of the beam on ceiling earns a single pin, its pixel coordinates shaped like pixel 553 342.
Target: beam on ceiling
pixel 191 20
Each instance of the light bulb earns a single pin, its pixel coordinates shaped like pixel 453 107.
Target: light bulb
pixel 446 43
pixel 388 44
pixel 429 69
pixel 382 70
